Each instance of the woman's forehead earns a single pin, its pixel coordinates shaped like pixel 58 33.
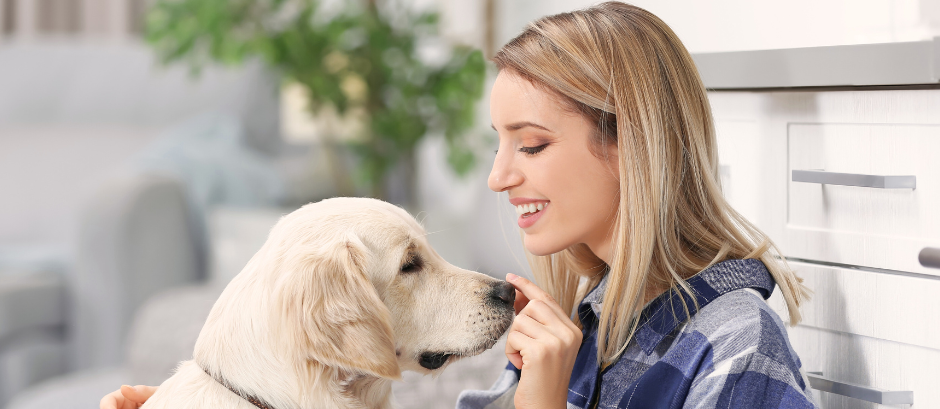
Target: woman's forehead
pixel 515 100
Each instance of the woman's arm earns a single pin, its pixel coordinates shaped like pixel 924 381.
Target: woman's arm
pixel 127 397
pixel 543 343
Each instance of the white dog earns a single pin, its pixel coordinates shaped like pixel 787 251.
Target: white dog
pixel 345 294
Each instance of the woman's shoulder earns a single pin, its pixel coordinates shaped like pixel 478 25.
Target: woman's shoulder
pixel 739 313
pixel 748 349
pixel 740 321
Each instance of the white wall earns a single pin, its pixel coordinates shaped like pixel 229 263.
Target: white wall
pixel 731 25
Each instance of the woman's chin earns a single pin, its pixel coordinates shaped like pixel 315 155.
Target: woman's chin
pixel 542 248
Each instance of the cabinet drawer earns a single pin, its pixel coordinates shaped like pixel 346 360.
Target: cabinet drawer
pixel 763 137
pixel 867 226
pixel 869 362
pixel 878 305
pixel 873 329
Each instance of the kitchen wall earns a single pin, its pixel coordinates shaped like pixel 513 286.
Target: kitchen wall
pixel 730 25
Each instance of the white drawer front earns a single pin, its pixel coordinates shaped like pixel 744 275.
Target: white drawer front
pixel 883 228
pixel 878 305
pixel 762 137
pixel 873 329
pixel 869 362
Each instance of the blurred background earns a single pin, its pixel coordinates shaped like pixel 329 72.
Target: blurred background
pixel 147 147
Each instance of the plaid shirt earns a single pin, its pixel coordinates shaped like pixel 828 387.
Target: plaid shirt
pixel 733 353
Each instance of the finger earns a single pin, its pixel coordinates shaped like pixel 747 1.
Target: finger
pixel 532 291
pixel 521 302
pixel 515 343
pixel 560 326
pixel 139 393
pixel 115 400
pixel 533 329
pixel 109 401
pixel 547 314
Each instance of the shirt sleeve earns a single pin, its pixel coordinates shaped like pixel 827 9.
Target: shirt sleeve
pixel 757 368
pixel 499 396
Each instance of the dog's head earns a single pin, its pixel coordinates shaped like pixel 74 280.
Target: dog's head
pixel 360 288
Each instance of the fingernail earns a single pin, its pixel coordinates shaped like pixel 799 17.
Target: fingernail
pixel 511 277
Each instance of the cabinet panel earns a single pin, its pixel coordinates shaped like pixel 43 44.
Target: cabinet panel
pixel 739 166
pixel 890 132
pixel 744 154
pixel 883 228
pixel 873 329
pixel 874 324
pixel 884 306
pixel 868 361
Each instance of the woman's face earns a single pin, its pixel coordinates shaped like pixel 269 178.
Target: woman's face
pixel 545 162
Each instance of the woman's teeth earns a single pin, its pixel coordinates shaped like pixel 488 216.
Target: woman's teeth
pixel 530 208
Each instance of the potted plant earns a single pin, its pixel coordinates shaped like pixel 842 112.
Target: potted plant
pixel 355 58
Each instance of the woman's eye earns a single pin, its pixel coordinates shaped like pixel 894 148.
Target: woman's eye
pixel 533 150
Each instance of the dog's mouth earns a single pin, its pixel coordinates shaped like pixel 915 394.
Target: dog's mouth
pixel 486 337
pixel 435 360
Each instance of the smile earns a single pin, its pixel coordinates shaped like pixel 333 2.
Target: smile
pixel 529 213
pixel 530 208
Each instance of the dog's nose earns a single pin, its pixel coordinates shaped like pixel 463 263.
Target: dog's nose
pixel 503 292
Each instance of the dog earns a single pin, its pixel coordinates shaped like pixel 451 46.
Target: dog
pixel 344 295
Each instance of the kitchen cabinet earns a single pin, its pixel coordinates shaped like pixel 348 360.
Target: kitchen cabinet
pixel 872 329
pixel 765 137
pixel 791 150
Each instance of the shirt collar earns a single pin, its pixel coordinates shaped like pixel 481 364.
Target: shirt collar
pixel 596 297
pixel 665 313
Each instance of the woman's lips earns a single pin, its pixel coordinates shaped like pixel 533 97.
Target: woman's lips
pixel 526 220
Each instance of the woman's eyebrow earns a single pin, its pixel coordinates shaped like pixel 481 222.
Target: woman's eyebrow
pixel 519 125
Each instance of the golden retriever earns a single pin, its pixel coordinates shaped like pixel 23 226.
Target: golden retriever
pixel 345 294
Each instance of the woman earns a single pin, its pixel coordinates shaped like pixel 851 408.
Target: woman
pixel 607 149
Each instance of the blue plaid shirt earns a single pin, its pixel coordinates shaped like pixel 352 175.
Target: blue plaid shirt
pixel 733 353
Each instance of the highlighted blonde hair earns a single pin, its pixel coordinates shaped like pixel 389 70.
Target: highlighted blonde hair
pixel 626 71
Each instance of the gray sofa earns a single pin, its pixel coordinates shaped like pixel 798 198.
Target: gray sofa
pixel 80 123
pixel 164 332
pixel 137 238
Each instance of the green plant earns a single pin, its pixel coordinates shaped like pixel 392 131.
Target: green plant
pixel 356 56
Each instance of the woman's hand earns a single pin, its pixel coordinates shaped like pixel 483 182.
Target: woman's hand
pixel 127 397
pixel 543 342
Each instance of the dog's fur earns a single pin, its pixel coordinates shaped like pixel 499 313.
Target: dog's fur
pixel 345 294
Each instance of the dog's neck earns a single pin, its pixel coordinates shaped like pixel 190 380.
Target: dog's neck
pixel 242 344
pixel 331 389
pixel 365 390
pixel 258 402
pixel 284 382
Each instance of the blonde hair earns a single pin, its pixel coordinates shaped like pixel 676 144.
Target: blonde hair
pixel 626 71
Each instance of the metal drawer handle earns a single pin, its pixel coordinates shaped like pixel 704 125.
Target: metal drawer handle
pixel 854 179
pixel 929 257
pixel 866 393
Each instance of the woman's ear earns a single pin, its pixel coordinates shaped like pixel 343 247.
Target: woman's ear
pixel 343 319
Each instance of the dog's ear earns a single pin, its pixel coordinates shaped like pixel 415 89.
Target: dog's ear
pixel 345 322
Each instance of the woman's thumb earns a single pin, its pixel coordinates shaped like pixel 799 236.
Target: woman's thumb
pixel 139 393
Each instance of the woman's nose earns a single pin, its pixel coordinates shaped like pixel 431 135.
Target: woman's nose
pixel 504 175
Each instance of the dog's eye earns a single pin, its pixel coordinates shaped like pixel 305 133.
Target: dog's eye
pixel 412 266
